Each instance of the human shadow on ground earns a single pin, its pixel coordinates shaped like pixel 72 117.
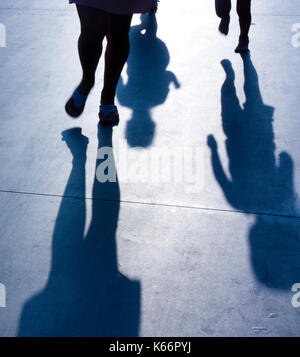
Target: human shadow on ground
pixel 258 185
pixel 148 82
pixel 85 294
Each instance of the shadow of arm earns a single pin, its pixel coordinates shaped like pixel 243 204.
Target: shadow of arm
pixel 218 170
pixel 174 80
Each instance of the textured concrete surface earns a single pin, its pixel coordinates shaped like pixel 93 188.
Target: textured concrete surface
pixel 150 258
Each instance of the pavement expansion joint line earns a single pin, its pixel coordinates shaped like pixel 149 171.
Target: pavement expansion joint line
pixel 157 204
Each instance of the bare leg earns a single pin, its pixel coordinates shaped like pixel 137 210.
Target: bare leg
pixel 244 12
pixel 223 8
pixel 93 28
pixel 116 54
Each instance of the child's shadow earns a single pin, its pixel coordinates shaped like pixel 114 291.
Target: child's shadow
pixel 260 183
pixel 148 81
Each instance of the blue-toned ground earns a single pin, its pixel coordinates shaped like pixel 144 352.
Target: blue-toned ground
pixel 214 253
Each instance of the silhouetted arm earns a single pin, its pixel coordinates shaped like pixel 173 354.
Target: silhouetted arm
pixel 218 170
pixel 173 79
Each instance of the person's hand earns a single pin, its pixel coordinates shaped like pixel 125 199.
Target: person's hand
pixel 174 80
pixel 211 142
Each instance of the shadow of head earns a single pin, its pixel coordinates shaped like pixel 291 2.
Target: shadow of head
pixel 275 251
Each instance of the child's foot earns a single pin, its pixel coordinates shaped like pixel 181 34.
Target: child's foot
pixel 243 45
pixel 76 142
pixel 224 25
pixel 75 105
pixel 109 115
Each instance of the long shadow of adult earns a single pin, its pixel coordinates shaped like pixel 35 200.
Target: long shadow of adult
pixel 258 185
pixel 148 81
pixel 85 294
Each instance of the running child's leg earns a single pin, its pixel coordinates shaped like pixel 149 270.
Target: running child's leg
pixel 223 8
pixel 244 12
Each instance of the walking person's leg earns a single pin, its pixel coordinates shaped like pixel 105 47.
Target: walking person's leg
pixel 93 24
pixel 116 55
pixel 223 8
pixel 244 12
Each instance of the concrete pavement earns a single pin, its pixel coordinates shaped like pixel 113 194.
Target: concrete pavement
pixel 210 254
